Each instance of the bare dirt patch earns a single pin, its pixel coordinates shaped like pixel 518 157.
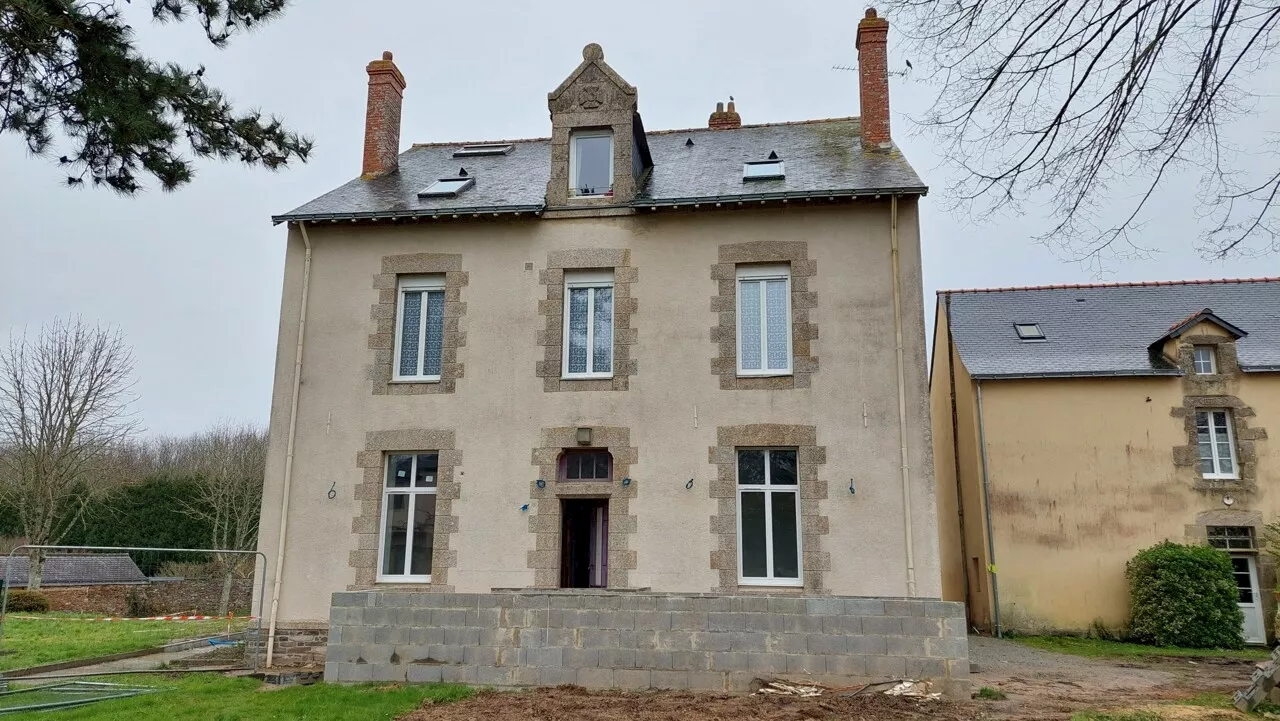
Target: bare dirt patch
pixel 1039 684
pixel 570 702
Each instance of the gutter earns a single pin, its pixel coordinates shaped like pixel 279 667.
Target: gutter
pixel 986 509
pixel 902 398
pixel 288 458
pixel 1077 374
pixel 739 199
pixel 416 214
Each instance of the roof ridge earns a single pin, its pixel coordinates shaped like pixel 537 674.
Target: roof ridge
pixel 1128 284
pixel 782 123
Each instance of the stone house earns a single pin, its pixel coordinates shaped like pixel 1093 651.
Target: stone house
pixel 1076 425
pixel 611 407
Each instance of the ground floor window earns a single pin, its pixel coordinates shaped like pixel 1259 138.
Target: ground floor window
pixel 768 517
pixel 408 517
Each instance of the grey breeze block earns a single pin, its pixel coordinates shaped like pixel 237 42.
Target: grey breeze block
pixel 643 640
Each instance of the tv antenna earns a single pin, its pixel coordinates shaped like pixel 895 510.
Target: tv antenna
pixel 903 73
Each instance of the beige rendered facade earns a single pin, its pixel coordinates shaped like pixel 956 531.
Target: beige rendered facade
pixel 1082 471
pixel 673 411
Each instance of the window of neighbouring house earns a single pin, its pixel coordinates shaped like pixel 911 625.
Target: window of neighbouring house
pixel 1028 331
pixel 1217 444
pixel 419 328
pixel 586 465
pixel 1232 538
pixel 764 320
pixel 588 324
pixel 768 517
pixel 1206 359
pixel 591 163
pixel 408 517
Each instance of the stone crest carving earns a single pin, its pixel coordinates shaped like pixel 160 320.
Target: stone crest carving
pixel 590 97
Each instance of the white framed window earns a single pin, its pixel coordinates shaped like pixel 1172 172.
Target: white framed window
pixel 768 517
pixel 1217 444
pixel 419 328
pixel 764 320
pixel 1206 359
pixel 408 518
pixel 591 163
pixel 588 324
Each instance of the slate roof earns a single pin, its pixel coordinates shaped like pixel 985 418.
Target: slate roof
pixel 1107 329
pixel 77 570
pixel 822 158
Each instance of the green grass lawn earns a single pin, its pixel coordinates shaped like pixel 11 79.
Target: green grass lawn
pixel 58 637
pixel 213 697
pixel 1096 648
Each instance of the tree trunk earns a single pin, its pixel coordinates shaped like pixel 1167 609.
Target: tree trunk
pixel 225 603
pixel 35 574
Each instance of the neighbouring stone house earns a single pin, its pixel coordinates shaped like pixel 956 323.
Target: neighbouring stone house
pixel 615 407
pixel 1075 425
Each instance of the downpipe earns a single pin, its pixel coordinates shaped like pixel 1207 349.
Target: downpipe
pixel 902 398
pixel 986 511
pixel 288 458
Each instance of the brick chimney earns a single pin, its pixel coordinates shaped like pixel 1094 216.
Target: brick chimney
pixel 382 118
pixel 723 119
pixel 873 80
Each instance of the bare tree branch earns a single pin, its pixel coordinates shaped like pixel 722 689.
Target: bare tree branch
pixel 64 411
pixel 1073 102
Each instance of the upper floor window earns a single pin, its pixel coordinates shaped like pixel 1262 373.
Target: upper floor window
pixel 1217 444
pixel 591 163
pixel 586 465
pixel 764 320
pixel 768 517
pixel 419 328
pixel 408 517
pixel 588 324
pixel 1206 359
pixel 1232 538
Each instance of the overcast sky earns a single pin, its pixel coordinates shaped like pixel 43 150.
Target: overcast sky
pixel 192 278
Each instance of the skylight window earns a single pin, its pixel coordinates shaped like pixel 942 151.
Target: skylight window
pixel 1029 331
pixel 483 149
pixel 763 170
pixel 447 187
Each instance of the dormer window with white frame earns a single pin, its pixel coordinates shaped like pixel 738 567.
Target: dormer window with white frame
pixel 588 324
pixel 764 320
pixel 591 164
pixel 419 328
pixel 1206 359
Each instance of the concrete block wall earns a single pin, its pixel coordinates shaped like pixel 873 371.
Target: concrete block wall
pixel 640 640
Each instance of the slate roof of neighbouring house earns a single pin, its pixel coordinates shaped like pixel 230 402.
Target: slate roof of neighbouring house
pixel 822 158
pixel 1107 329
pixel 76 570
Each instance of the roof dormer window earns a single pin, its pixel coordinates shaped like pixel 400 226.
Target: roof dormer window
pixel 448 187
pixel 591 164
pixel 1029 331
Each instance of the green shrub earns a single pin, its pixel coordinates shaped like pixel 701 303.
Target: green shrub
pixel 28 601
pixel 991 694
pixel 1184 596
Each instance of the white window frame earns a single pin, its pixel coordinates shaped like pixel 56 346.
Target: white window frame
pixel 414 493
pixel 1214 430
pixel 1212 351
pixel 587 279
pixel 414 284
pixel 757 273
pixel 768 491
pixel 573 161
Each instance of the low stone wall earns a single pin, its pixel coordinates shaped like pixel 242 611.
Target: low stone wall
pixel 198 596
pixel 641 640
pixel 299 645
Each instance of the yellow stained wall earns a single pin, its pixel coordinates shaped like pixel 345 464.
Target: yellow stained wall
pixel 1082 477
pixel 958 468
